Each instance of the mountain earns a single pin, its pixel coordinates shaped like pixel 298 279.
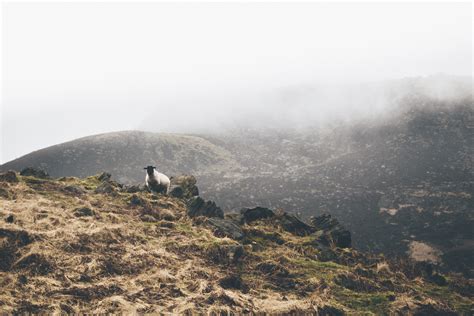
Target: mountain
pixel 125 154
pixel 402 183
pixel 92 245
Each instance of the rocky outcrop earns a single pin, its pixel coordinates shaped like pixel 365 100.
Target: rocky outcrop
pixel 199 207
pixel 34 172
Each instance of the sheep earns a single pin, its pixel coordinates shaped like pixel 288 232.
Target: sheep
pixel 155 181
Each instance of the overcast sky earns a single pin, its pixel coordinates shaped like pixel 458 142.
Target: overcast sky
pixel 74 69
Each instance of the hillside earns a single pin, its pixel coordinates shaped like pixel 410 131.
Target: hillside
pixel 126 153
pixel 92 245
pixel 399 183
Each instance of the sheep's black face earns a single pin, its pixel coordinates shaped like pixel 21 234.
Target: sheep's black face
pixel 150 170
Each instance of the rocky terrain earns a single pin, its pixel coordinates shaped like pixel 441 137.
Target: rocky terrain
pixel 93 245
pixel 402 184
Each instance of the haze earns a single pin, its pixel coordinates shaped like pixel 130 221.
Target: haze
pixel 74 69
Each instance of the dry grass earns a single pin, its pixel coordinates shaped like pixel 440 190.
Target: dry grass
pixel 149 257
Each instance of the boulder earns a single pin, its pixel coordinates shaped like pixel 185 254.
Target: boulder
pixel 9 176
pixel 294 225
pixel 176 191
pixel 256 213
pixel 198 207
pixel 33 172
pixel 104 176
pixel 105 188
pixel 225 228
pixel 323 222
pixel 74 190
pixel 184 186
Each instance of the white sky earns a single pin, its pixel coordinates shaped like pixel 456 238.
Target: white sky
pixel 75 69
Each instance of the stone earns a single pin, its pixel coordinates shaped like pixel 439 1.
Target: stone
pixel 256 213
pixel 104 176
pixel 187 183
pixel 33 172
pixel 105 188
pixel 176 191
pixel 294 225
pixel 225 228
pixel 198 207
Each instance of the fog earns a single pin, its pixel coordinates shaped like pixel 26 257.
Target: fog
pixel 74 69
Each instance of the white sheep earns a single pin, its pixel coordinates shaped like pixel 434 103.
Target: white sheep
pixel 155 181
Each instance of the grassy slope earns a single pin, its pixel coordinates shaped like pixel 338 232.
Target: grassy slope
pixel 119 260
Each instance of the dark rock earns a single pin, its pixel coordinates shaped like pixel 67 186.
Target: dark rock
pixel 132 189
pixel 83 211
pixel 33 172
pixel 225 228
pixel 256 213
pixel 198 207
pixel 324 222
pixel 294 225
pixel 74 189
pixel 105 188
pixel 438 279
pixel 341 238
pixel 176 191
pixel 187 184
pixel 9 176
pixel 10 218
pixel 104 176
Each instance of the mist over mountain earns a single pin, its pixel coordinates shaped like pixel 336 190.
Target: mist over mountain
pixel 399 179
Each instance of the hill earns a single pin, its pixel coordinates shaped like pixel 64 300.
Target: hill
pixel 126 153
pixel 401 183
pixel 92 245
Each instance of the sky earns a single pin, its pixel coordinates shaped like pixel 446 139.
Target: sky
pixel 79 68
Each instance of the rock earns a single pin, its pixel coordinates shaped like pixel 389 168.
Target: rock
pixel 176 191
pixel 187 184
pixel 83 211
pixel 10 218
pixel 74 189
pixel 341 238
pixel 104 176
pixel 225 228
pixel 198 207
pixel 324 222
pixel 132 189
pixel 294 225
pixel 256 213
pixel 9 176
pixel 105 188
pixel 33 172
pixel 438 279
